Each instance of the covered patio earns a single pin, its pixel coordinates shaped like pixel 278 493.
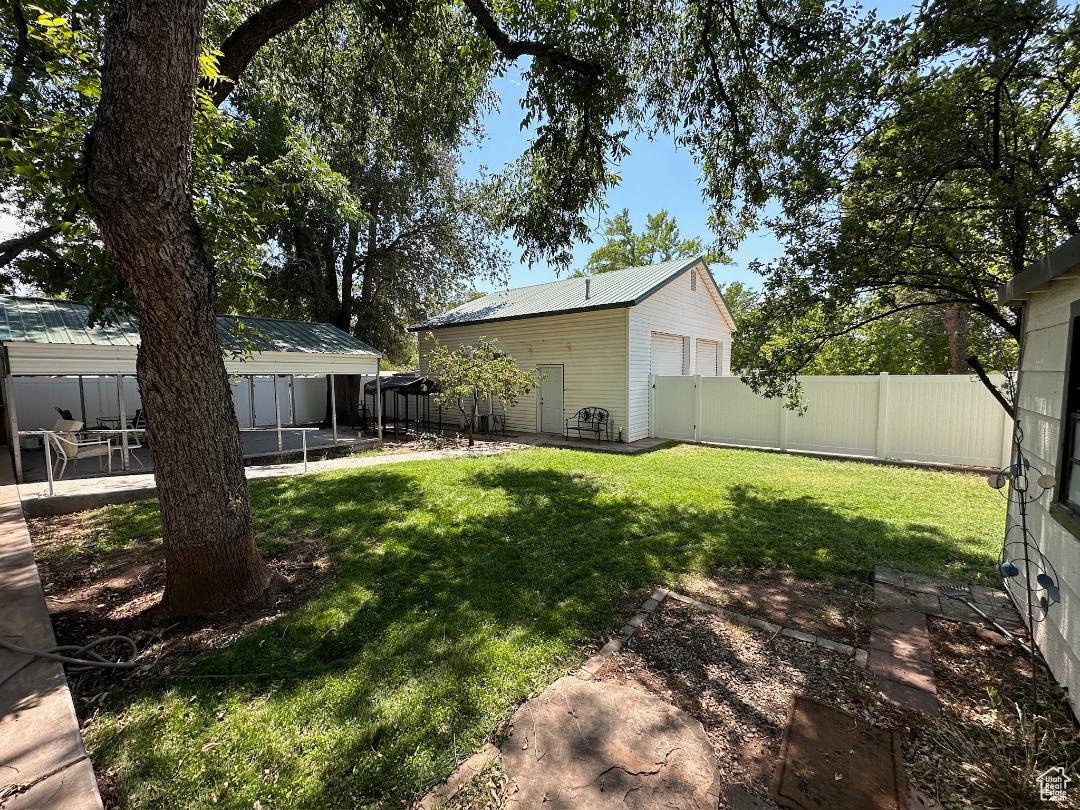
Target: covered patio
pixel 70 392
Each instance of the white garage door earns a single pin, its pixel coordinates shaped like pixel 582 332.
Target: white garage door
pixel 667 354
pixel 706 358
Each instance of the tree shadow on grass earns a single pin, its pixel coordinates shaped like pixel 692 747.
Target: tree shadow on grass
pixel 457 594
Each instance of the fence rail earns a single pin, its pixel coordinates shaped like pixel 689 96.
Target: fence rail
pixel 949 419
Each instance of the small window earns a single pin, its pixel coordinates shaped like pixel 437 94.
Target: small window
pixel 693 280
pixel 1068 492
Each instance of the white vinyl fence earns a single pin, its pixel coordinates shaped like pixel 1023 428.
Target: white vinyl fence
pixel 949 419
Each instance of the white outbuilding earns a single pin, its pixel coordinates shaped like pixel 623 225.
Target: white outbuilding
pixel 597 339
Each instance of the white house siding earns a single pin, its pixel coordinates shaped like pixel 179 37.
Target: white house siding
pixel 1040 401
pixel 676 309
pixel 591 346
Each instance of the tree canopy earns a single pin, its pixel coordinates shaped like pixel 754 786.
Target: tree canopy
pixel 660 241
pixel 951 169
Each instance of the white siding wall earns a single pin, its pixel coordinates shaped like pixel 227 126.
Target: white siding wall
pixel 674 310
pixel 590 345
pixel 1041 391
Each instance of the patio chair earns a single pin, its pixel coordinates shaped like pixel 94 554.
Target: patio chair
pixel 69 448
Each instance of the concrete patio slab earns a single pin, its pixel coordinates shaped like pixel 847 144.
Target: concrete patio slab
pixel 571 443
pixel 78 494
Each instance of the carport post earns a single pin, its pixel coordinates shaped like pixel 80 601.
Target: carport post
pixel 378 395
pixel 277 414
pixel 82 401
pixel 13 426
pixel 123 421
pixel 333 406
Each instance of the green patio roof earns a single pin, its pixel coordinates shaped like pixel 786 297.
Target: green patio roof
pixel 43 320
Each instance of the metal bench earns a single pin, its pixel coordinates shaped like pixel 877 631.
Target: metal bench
pixel 590 420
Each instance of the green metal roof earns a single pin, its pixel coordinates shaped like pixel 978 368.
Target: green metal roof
pixel 42 320
pixel 619 288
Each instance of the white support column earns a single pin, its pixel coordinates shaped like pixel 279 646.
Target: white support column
pixel 378 395
pixel 883 415
pixel 333 406
pixel 292 399
pixel 123 421
pixel 13 426
pixel 277 413
pixel 251 399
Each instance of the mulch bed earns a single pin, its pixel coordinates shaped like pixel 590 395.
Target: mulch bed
pixel 93 591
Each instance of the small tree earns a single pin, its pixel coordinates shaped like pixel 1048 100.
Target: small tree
pixel 469 374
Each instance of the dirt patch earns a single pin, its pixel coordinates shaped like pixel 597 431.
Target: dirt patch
pixel 838 610
pixel 97 586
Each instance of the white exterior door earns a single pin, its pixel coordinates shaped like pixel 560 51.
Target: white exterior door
pixel 706 358
pixel 550 404
pixel 667 355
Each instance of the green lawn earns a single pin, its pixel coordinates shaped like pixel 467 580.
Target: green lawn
pixel 463 586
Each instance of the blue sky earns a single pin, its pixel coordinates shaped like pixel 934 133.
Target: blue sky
pixel 655 175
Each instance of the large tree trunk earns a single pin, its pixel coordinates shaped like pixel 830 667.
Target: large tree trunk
pixel 956 332
pixel 140 186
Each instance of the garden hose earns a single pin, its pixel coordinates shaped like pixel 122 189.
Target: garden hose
pixel 79 659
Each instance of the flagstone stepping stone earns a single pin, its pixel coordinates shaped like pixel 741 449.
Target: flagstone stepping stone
pixel 587 744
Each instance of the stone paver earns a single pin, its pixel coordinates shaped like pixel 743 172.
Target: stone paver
pixel 900 660
pixel 42 760
pixel 586 744
pixel 831 759
pixel 898 590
